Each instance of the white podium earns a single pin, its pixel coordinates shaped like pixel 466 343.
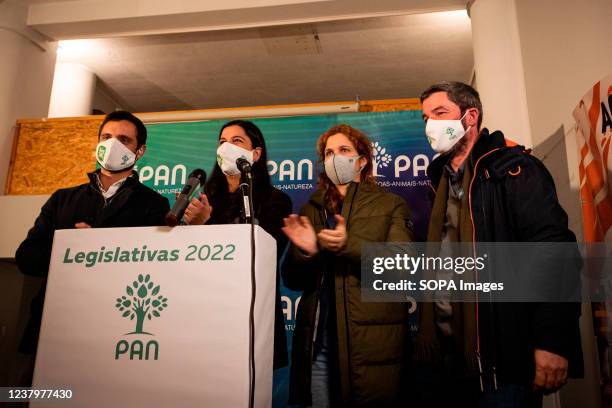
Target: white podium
pixel 157 317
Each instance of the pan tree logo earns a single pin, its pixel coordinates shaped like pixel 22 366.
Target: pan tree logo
pixel 142 301
pixel 125 159
pixel 380 157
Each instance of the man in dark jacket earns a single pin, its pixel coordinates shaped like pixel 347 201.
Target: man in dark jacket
pixel 113 198
pixel 489 191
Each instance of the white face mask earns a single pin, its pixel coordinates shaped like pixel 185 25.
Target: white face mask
pixel 114 156
pixel 444 134
pixel 341 169
pixel 228 153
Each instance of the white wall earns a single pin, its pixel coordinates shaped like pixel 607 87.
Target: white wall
pixel 499 69
pixel 17 215
pixel 73 90
pixel 565 48
pixel 26 74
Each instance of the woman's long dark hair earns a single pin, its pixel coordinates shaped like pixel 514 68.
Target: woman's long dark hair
pixel 217 188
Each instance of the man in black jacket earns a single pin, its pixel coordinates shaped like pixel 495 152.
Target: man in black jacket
pixel 487 190
pixel 114 197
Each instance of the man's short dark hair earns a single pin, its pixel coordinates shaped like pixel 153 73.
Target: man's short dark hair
pixel 116 116
pixel 459 93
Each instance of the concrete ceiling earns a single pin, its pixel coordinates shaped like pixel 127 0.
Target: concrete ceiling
pixel 374 58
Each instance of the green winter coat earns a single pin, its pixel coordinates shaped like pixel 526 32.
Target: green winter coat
pixel 373 338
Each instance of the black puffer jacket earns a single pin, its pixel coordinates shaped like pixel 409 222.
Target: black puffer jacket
pixel 372 338
pixel 512 198
pixel 133 205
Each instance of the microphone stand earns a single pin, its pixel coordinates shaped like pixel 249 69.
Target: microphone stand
pixel 246 187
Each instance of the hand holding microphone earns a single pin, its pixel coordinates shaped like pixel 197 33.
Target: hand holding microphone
pixel 198 211
pixel 196 179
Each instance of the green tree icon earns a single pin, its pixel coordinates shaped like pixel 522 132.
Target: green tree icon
pixel 142 300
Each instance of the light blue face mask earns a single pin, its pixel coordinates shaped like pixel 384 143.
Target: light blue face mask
pixel 341 169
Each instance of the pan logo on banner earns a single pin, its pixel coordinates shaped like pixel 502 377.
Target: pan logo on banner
pixel 303 170
pixel 380 157
pixel 288 170
pixel 382 160
pixel 142 301
pixel 162 175
pixel 290 310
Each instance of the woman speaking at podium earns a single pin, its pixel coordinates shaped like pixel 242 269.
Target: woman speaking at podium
pixel 223 201
pixel 345 352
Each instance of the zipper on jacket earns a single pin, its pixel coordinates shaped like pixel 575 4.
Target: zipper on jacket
pixel 491 311
pixel 348 336
pixel 317 316
pixel 318 309
pixel 316 327
pixel 480 371
pixel 478 357
pixel 107 201
pixel 494 378
pixel 344 296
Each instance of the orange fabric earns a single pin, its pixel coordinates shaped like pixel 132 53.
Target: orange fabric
pixel 515 172
pixel 594 150
pixel 511 143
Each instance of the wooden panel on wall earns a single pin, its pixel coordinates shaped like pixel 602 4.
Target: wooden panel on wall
pixel 390 105
pixel 52 154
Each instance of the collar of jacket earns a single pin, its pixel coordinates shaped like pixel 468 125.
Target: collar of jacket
pixel 130 181
pixel 485 143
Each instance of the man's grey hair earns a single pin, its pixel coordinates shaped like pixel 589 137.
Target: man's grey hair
pixel 460 94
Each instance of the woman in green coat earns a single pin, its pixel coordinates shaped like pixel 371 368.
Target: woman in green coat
pixel 345 352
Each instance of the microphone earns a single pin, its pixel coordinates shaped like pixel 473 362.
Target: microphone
pixel 196 179
pixel 245 187
pixel 244 166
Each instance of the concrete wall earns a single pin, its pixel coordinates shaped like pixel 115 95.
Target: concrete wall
pixel 104 100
